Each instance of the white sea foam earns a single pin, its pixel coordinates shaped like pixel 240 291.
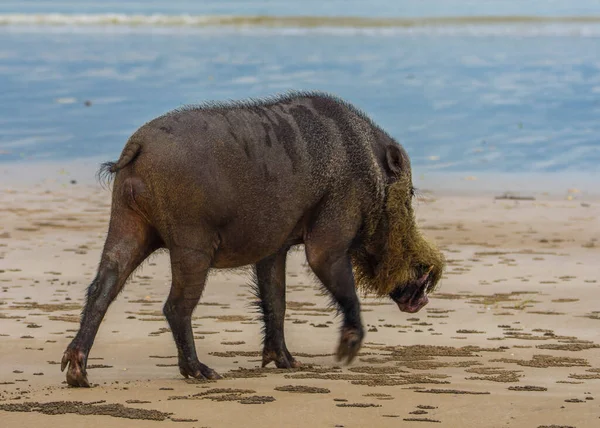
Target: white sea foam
pixel 468 25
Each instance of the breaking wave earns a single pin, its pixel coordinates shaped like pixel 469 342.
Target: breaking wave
pixel 57 19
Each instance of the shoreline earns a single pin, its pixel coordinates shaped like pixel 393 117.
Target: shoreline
pixel 539 185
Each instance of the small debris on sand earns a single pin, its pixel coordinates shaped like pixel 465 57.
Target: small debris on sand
pixel 527 388
pixel 450 391
pixel 358 405
pixel 511 197
pixel 556 426
pixel 422 420
pixel 545 361
pixel 81 408
pixel 257 399
pixel 303 389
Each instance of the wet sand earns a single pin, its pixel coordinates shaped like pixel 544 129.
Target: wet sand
pixel 511 337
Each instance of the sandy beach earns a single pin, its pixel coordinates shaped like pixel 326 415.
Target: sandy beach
pixel 510 338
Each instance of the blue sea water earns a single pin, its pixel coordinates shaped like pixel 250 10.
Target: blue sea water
pixel 379 8
pixel 509 97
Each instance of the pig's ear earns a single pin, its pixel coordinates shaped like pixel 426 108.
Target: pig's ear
pixel 394 159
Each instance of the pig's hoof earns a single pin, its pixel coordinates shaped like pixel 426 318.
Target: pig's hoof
pixel 350 344
pixel 197 370
pixel 282 359
pixel 76 374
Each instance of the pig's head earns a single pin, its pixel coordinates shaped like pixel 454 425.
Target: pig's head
pixel 396 260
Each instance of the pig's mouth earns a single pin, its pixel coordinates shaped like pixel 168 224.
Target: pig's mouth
pixel 412 297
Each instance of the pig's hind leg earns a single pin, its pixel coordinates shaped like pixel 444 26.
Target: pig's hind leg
pixel 270 283
pixel 190 264
pixel 129 242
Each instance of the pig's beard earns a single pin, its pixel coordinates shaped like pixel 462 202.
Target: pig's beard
pixel 406 252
